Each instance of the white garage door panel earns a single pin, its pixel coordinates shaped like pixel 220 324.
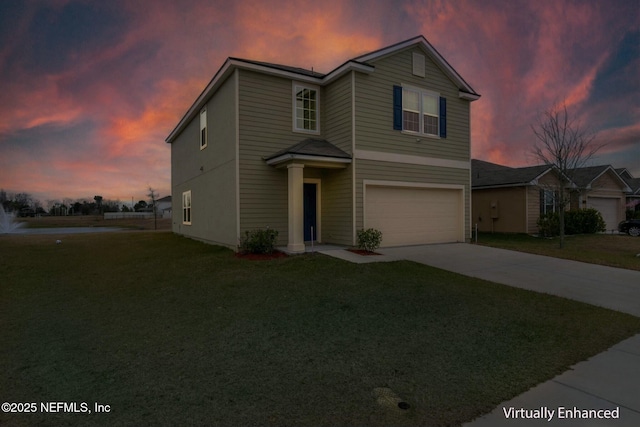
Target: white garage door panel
pixel 608 208
pixel 409 216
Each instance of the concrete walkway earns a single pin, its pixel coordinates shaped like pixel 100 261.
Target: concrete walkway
pixel 607 381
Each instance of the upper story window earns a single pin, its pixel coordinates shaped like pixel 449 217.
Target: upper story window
pixel 420 111
pixel 306 112
pixel 203 128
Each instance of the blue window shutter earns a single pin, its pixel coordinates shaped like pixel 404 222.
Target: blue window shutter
pixel 443 117
pixel 397 107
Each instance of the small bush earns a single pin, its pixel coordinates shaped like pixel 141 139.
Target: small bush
pixel 582 221
pixel 549 224
pixel 369 239
pixel 259 241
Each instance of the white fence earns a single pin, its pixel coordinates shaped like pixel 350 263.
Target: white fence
pixel 127 215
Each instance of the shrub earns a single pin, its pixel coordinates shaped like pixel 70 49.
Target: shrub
pixel 259 241
pixel 582 221
pixel 549 224
pixel 369 239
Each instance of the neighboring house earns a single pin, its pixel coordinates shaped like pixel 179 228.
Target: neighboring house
pixel 510 200
pixel 633 197
pixel 601 188
pixel 163 207
pixel 382 141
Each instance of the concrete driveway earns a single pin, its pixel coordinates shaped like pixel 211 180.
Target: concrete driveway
pixel 614 288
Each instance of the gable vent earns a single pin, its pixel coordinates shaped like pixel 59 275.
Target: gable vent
pixel 418 65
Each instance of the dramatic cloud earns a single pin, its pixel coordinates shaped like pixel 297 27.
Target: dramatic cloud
pixel 91 89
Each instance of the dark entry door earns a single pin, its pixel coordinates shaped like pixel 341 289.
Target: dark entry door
pixel 310 212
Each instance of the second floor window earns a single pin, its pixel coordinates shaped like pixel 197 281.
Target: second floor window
pixel 203 128
pixel 420 112
pixel 306 104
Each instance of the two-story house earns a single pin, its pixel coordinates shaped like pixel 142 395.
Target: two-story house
pixel 382 141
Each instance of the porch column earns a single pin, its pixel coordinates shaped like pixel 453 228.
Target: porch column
pixel 296 208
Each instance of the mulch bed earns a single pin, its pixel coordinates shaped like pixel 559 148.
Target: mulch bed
pixel 262 257
pixel 363 252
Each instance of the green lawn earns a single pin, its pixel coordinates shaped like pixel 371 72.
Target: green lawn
pixel 604 249
pixel 170 331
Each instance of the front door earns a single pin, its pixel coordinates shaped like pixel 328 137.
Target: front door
pixel 310 206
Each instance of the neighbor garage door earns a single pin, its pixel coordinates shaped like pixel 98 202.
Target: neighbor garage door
pixel 411 216
pixel 608 209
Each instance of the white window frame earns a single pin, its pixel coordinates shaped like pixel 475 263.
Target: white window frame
pixel 422 113
pixel 549 198
pixel 186 207
pixel 203 129
pixel 296 87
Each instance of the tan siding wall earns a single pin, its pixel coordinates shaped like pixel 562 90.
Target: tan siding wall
pixel 265 128
pixel 533 209
pixel 337 207
pixel 374 105
pixel 511 211
pixel 337 195
pixel 338 113
pixel 212 187
pixel 387 171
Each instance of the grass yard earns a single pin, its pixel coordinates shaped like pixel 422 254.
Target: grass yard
pixel 170 331
pixel 96 221
pixel 604 249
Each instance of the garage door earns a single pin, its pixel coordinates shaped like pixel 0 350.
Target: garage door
pixel 411 216
pixel 608 209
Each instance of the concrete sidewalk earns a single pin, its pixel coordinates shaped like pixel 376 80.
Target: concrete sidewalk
pixel 607 381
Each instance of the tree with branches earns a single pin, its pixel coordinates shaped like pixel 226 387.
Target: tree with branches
pixel 564 144
pixel 153 196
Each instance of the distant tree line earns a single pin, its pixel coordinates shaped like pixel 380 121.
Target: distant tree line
pixel 23 204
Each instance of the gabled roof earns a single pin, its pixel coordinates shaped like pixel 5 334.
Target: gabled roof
pixel 310 149
pixel 491 175
pixel 585 177
pixel 466 91
pixel 633 183
pixel 359 64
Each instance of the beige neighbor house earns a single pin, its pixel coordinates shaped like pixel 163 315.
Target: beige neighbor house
pixel 382 141
pixel 601 188
pixel 510 200
pixel 633 197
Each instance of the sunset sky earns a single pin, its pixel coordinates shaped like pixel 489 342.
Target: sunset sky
pixel 89 90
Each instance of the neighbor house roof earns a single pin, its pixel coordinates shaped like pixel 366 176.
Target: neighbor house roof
pixel 633 183
pixel 584 177
pixel 310 149
pixel 486 174
pixel 360 64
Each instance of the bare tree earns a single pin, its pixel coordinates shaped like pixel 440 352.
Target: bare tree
pixel 563 143
pixel 152 195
